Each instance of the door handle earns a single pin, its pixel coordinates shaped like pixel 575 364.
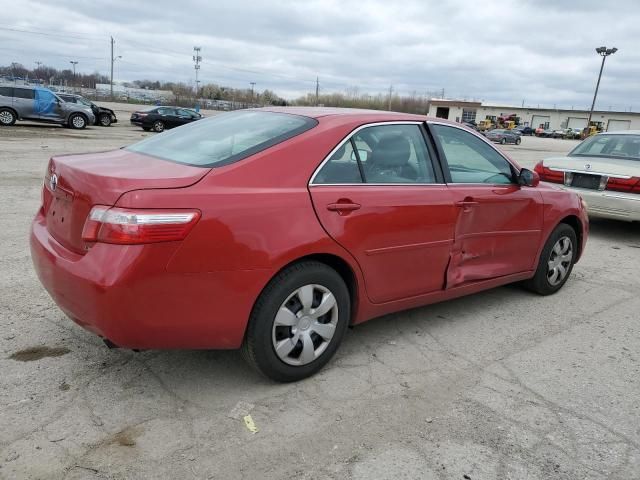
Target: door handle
pixel 467 204
pixel 343 206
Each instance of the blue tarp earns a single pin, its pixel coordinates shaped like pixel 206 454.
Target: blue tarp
pixel 45 101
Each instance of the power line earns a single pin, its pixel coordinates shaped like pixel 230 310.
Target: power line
pixel 50 34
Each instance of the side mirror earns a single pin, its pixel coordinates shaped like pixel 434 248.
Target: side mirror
pixel 528 178
pixel 362 153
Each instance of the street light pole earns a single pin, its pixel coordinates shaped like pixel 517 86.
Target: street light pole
pixel 74 63
pixel 604 52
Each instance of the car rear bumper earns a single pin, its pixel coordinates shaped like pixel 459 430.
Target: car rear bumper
pixel 126 295
pixel 607 204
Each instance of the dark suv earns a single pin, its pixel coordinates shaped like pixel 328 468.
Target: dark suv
pixel 40 104
pixel 104 116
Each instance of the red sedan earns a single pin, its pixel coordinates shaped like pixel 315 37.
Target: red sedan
pixel 275 229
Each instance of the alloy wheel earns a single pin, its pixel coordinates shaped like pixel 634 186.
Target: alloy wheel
pixel 158 126
pixel 559 261
pixel 304 325
pixel 6 117
pixel 78 121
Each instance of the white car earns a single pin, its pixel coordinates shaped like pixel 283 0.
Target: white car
pixel 604 170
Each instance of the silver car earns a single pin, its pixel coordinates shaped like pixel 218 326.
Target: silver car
pixel 604 170
pixel 40 104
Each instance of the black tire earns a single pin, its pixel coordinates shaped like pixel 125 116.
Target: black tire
pixel 259 344
pixel 503 141
pixel 77 121
pixel 105 120
pixel 158 126
pixel 541 283
pixel 518 141
pixel 7 117
pixel 146 129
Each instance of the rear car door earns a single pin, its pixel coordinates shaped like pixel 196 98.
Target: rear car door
pixel 499 223
pixel 24 102
pixel 168 116
pixel 381 197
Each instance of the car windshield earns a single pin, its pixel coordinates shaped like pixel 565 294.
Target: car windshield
pixel 610 146
pixel 225 138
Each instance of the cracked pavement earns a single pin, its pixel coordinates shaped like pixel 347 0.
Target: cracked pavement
pixel 503 384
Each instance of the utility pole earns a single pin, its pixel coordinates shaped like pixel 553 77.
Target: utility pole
pixel 197 59
pixel 38 64
pixel 317 90
pixel 74 63
pixel 390 93
pixel 111 84
pixel 442 93
pixel 604 52
pixel 253 84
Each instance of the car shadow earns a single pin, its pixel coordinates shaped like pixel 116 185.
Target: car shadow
pixel 615 231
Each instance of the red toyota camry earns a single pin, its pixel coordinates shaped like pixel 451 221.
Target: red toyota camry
pixel 275 229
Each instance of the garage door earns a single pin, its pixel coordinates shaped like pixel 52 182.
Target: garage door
pixel 614 125
pixel 576 122
pixel 538 120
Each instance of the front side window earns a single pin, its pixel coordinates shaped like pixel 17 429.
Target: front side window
pixel 224 139
pixel 6 91
pixel 382 154
pixel 470 159
pixel 166 111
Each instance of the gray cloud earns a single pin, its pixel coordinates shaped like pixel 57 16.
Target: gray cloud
pixel 539 51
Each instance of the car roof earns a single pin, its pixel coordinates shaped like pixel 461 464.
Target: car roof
pixel 621 132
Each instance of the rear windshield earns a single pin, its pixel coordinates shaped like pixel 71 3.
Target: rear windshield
pixel 611 146
pixel 225 138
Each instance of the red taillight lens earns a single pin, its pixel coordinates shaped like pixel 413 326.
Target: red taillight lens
pixel 131 227
pixel 628 185
pixel 548 175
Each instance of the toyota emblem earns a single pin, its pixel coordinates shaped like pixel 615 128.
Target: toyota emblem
pixel 53 182
pixel 587 166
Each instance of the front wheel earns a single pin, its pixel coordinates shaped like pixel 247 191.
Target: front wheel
pixel 518 141
pixel 503 141
pixel 105 120
pixel 556 261
pixel 158 126
pixel 77 121
pixel 7 117
pixel 297 322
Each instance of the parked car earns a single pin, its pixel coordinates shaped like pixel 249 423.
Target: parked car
pixel 573 133
pixel 256 229
pixel 38 104
pixel 605 170
pixel 103 116
pixel 558 133
pixel 503 136
pixel 523 130
pixel 162 118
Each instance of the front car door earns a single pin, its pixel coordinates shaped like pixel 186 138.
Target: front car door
pixel 381 196
pixel 499 223
pixel 184 116
pixel 168 116
pixel 24 102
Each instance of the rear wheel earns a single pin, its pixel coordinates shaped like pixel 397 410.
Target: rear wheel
pixel 77 121
pixel 297 322
pixel 556 261
pixel 7 117
pixel 503 141
pixel 518 141
pixel 158 126
pixel 105 120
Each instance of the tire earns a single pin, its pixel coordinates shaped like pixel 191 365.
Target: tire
pixel 146 129
pixel 278 320
pixel 503 141
pixel 105 120
pixel 518 141
pixel 158 126
pixel 7 117
pixel 77 121
pixel 543 281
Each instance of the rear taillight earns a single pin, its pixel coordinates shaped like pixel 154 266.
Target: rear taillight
pixel 130 227
pixel 628 185
pixel 549 175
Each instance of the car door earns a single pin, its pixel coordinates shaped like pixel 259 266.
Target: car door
pixel 381 197
pixel 184 116
pixel 47 106
pixel 168 116
pixel 499 223
pixel 24 102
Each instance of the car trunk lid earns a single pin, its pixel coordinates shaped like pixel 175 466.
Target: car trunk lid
pixel 610 167
pixel 75 183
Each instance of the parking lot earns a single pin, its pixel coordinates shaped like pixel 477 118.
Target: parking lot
pixel 501 384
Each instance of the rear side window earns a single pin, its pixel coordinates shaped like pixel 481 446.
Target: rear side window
pixel 23 93
pixel 224 139
pixel 6 91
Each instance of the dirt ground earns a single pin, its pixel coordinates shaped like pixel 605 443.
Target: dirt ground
pixel 502 384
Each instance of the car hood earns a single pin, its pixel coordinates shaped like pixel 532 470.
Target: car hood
pixel 604 165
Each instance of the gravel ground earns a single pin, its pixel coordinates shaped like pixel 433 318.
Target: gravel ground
pixel 502 384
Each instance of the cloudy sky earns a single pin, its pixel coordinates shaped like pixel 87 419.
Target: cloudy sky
pixel 540 52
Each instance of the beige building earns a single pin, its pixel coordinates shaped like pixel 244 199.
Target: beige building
pixel 547 118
